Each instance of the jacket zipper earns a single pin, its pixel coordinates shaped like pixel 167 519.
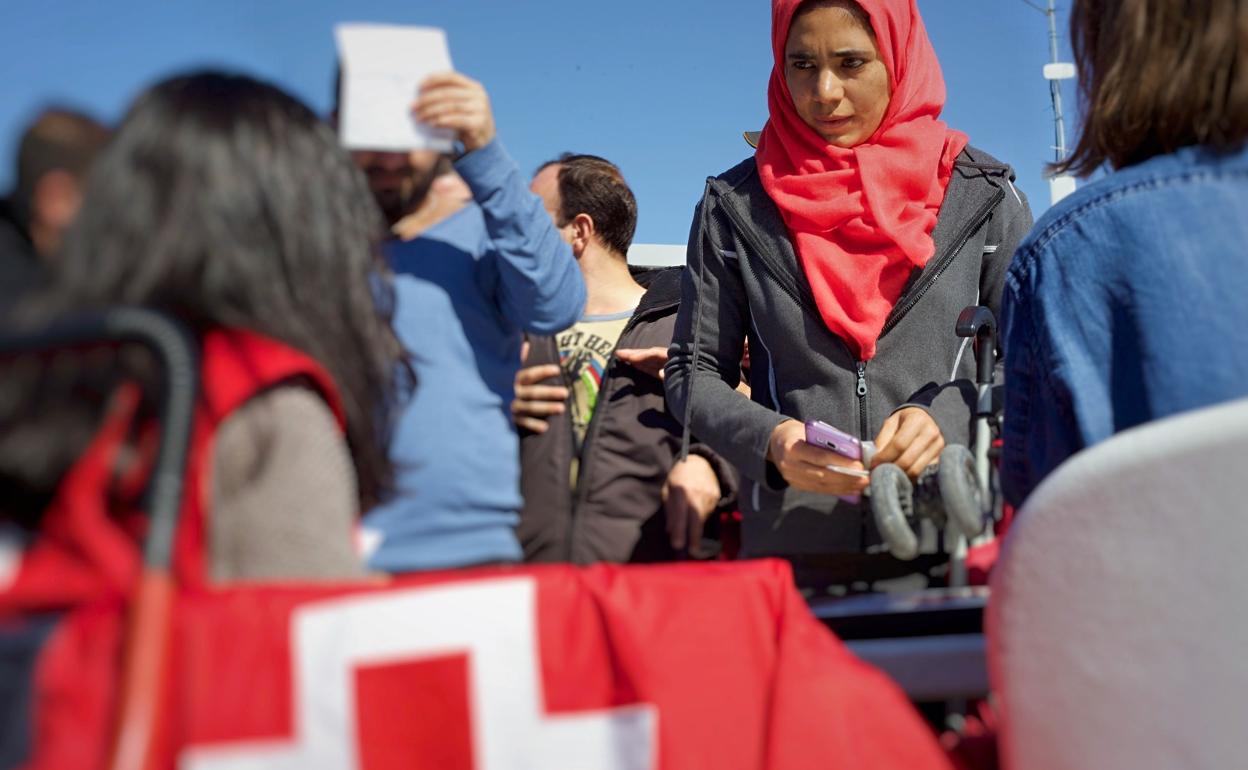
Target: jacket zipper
pixel 862 401
pixel 747 234
pixel 583 457
pixel 765 257
pixel 964 235
pixel 573 494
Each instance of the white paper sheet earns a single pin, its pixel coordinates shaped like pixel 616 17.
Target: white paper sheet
pixel 382 67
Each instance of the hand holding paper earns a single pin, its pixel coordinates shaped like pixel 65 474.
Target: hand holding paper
pixel 458 103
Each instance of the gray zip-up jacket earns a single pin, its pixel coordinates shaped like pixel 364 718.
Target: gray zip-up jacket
pixel 744 280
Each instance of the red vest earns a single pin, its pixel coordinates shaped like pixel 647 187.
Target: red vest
pixel 87 549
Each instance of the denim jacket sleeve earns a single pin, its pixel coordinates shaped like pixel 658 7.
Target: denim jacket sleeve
pixel 540 286
pixel 1039 429
pixel 1018 339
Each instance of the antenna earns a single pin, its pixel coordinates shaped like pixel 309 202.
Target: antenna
pixel 1060 185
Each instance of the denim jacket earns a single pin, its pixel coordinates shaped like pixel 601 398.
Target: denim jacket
pixel 1126 303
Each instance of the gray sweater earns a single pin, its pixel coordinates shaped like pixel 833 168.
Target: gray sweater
pixel 284 504
pixel 744 280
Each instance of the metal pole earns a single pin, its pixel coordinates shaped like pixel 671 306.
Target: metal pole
pixel 1055 88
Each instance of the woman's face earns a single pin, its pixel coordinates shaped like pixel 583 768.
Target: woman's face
pixel 834 72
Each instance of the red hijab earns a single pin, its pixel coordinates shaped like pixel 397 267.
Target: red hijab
pixel 861 218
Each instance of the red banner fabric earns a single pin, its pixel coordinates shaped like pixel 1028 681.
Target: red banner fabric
pixel 666 667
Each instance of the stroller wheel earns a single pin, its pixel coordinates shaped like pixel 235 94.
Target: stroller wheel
pixel 892 504
pixel 959 490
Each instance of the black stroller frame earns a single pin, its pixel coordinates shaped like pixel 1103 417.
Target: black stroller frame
pixel 147 640
pixel 955 494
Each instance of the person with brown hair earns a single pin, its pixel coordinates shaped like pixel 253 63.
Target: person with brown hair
pixel 601 476
pixel 53 157
pixel 1126 304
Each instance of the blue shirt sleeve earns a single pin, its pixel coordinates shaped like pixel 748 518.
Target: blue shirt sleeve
pixel 540 288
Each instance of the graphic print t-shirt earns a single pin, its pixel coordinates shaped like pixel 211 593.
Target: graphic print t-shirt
pixel 584 350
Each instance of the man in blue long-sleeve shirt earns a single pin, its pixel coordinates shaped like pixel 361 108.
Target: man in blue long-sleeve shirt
pixel 468 285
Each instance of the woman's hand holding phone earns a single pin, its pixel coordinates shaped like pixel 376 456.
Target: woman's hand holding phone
pixel 805 466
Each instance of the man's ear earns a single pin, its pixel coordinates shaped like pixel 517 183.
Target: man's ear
pixel 583 231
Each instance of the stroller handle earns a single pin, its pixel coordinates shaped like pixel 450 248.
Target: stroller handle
pixel 178 354
pixel 978 321
pixel 146 653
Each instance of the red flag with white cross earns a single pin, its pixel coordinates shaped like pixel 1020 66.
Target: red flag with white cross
pixel 647 668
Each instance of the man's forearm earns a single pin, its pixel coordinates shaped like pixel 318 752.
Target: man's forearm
pixel 540 286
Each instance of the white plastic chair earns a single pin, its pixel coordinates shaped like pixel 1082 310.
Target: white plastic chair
pixel 1118 624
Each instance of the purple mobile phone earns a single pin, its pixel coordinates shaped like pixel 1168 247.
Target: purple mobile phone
pixel 823 435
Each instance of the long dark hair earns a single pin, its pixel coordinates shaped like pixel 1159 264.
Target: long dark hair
pixel 226 202
pixel 1158 75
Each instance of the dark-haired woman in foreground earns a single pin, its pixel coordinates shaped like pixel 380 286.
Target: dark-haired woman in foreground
pixel 844 250
pixel 1129 300
pixel 228 204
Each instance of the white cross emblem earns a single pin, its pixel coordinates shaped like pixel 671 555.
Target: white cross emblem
pixel 493 622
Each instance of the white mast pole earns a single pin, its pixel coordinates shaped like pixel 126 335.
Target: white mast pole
pixel 1055 72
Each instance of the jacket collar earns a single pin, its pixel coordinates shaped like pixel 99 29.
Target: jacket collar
pixel 662 291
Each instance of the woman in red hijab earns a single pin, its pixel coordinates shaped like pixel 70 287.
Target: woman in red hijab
pixel 843 250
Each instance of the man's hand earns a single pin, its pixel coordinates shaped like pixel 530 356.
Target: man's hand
pixel 805 466
pixel 648 360
pixel 534 403
pixel 689 497
pixel 910 439
pixel 459 103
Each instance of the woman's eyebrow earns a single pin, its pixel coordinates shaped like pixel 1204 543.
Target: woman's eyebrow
pixel 842 53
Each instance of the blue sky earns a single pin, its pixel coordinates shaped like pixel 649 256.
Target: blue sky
pixel 664 89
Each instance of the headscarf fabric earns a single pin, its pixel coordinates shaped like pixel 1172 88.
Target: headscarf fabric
pixel 861 218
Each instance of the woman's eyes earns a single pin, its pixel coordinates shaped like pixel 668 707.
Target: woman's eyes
pixel 847 64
